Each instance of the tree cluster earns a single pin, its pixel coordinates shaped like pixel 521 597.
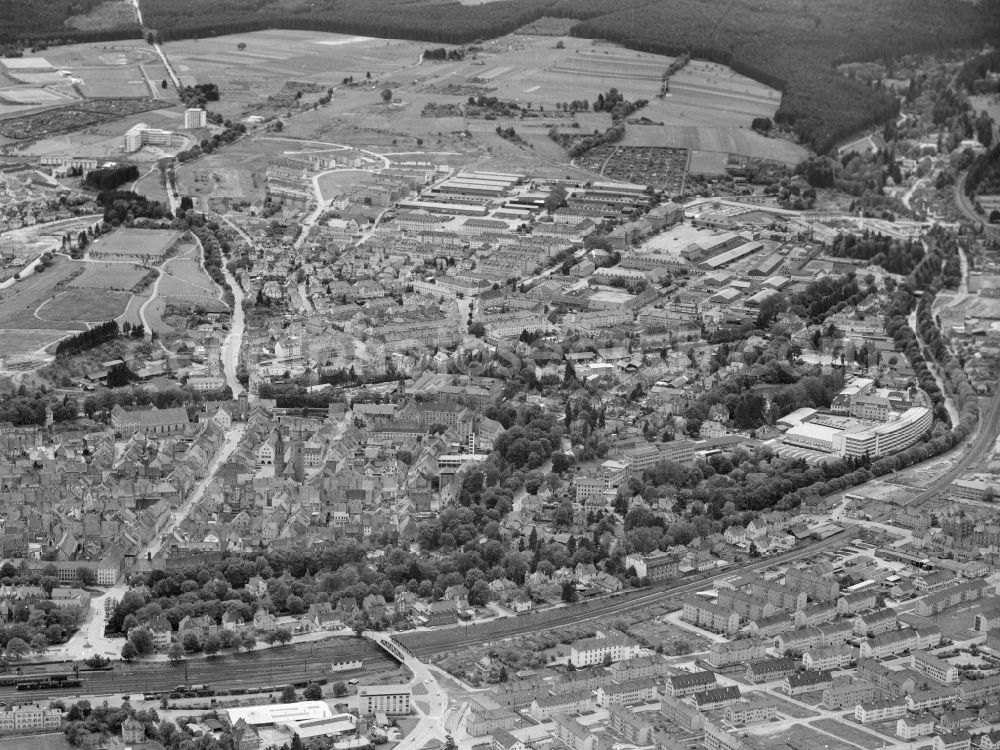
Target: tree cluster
pixel 983 176
pixel 828 296
pixel 110 178
pixel 894 255
pixel 230 133
pixel 199 95
pixel 124 207
pixel 216 248
pixel 440 53
pixel 81 342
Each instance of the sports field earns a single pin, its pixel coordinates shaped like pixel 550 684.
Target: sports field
pixel 123 244
pixel 123 80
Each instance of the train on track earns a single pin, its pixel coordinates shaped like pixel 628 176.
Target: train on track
pixel 41 681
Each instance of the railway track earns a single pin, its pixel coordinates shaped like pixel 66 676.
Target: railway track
pixel 424 644
pixel 267 667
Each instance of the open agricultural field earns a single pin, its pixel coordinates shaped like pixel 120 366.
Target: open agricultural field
pixel 703 137
pixel 272 58
pixel 707 162
pixel 28 83
pixel 217 181
pixel 30 242
pixel 19 302
pixel 83 306
pixel 240 169
pixel 150 185
pixel 704 89
pixel 532 69
pixel 184 277
pixel 112 276
pixel 103 138
pixel 18 341
pixel 111 70
pixel 980 281
pixel 710 107
pixel 83 113
pixel 124 244
pixel 32 95
pixel 978 306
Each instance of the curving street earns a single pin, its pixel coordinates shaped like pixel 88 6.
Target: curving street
pixel 429 698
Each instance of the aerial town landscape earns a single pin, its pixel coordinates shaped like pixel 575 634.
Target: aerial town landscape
pixel 513 375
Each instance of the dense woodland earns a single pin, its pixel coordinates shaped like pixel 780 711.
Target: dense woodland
pixel 30 20
pixel 110 178
pixel 983 177
pixel 88 339
pixel 787 44
pixel 895 256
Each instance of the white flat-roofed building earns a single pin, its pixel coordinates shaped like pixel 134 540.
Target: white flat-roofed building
pixel 195 118
pixel 813 436
pixel 392 700
pixel 280 713
pixel 465 207
pixel 141 134
pixel 589 651
pixel 888 438
pixel 797 417
pixel 616 187
pixel 334 726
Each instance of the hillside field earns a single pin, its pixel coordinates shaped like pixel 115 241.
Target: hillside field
pixel 709 107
